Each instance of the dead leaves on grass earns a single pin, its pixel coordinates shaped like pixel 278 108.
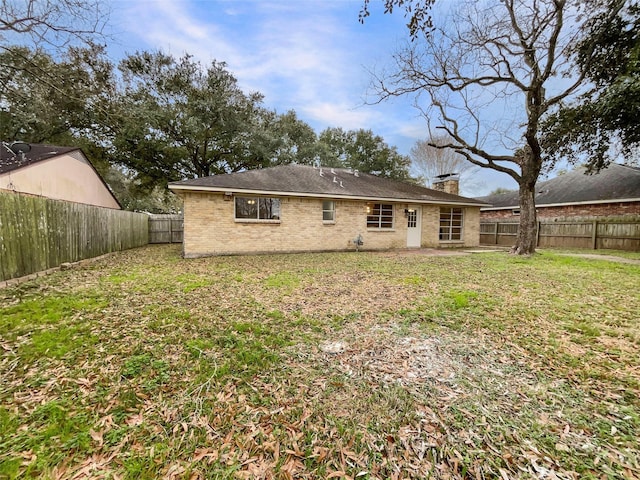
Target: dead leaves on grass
pixel 487 385
pixel 366 393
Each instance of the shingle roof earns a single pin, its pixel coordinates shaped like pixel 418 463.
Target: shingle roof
pixel 305 180
pixel 9 161
pixel 617 182
pixel 39 152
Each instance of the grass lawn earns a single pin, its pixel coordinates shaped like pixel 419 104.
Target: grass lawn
pixel 345 365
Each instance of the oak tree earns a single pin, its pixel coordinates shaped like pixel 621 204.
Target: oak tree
pixel 179 119
pixel 601 125
pixel 361 150
pixel 487 74
pixel 58 101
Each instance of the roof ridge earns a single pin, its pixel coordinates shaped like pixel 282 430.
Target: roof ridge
pixel 632 167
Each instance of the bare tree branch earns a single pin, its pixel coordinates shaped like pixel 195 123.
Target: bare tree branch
pixel 492 72
pixel 52 23
pixel 429 161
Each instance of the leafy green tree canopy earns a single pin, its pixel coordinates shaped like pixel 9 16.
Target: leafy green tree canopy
pixel 281 139
pixel 180 120
pixel 53 101
pixel 158 118
pixel 362 150
pixel 606 115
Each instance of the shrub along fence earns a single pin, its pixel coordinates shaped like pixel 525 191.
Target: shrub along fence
pixel 38 233
pixel 600 233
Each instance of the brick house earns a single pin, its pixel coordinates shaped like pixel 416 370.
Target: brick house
pixel 614 192
pixel 61 173
pixel 296 208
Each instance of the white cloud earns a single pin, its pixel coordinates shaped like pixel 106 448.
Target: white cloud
pixel 170 26
pixel 416 129
pixel 305 56
pixel 276 49
pixel 332 114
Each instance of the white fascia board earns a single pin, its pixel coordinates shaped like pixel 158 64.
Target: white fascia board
pixel 235 191
pixel 567 204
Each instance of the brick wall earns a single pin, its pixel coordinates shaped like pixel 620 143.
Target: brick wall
pixel 430 225
pixel 471 227
pixel 449 186
pixel 211 229
pixel 599 210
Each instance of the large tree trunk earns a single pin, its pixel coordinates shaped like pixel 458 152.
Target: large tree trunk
pixel 528 231
pixel 530 161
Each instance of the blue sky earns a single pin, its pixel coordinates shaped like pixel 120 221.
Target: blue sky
pixel 312 56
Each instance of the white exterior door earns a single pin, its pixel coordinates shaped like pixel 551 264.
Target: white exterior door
pixel 414 226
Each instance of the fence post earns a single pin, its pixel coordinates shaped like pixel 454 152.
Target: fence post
pixel 538 234
pixel 594 234
pixel 495 234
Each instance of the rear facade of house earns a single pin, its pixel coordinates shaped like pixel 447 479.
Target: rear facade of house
pixel 297 208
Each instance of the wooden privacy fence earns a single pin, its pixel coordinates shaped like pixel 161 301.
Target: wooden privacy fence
pixel 618 234
pixel 165 228
pixel 39 233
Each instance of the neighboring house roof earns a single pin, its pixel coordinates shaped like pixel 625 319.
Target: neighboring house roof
pixel 616 183
pixel 39 152
pixel 307 181
pixel 10 162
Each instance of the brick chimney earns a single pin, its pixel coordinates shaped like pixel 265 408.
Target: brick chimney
pixel 448 183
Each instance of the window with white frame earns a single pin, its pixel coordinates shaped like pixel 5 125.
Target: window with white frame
pixel 451 221
pixel 328 211
pixel 379 215
pixel 257 208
